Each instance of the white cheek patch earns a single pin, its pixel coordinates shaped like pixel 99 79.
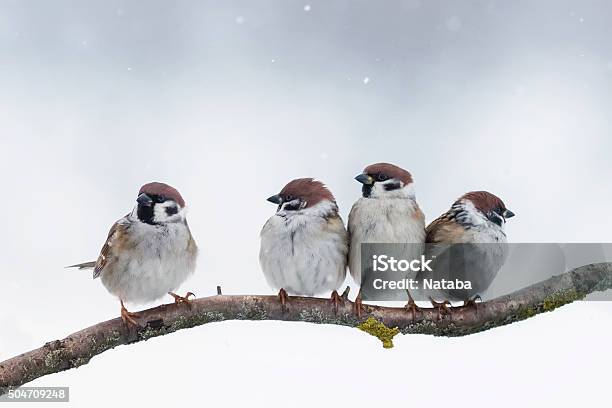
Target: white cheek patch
pixel 475 216
pixel 378 190
pixel 160 214
pixel 408 191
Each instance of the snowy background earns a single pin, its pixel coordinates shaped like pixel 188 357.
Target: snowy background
pixel 228 101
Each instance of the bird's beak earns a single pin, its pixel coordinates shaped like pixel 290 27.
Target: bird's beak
pixel 144 200
pixel 276 199
pixel 508 214
pixel 365 179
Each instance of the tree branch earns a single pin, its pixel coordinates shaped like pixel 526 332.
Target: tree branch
pixel 382 322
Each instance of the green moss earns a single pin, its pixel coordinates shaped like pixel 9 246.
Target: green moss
pixel 449 329
pixel 55 358
pixel 526 313
pixel 603 284
pixel 181 322
pixel 379 330
pixel 560 298
pixel 113 339
pixel 319 317
pixel 312 316
pixel 253 310
pixel 79 361
pixel 150 332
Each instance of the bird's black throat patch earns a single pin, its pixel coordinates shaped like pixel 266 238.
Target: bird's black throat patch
pixel 366 190
pixel 145 213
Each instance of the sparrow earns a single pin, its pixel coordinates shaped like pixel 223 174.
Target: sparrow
pixel 304 246
pixel 148 253
pixel 387 212
pixel 477 217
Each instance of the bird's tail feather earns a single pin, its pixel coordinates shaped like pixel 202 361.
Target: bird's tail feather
pixel 84 265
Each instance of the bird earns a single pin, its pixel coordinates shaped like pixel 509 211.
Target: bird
pixel 387 212
pixel 149 252
pixel 304 245
pixel 476 221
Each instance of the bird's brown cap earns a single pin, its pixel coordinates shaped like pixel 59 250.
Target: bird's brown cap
pixel 309 190
pixel 389 170
pixel 162 189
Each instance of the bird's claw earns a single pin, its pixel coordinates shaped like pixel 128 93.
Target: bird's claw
pixel 358 305
pixel 128 318
pixel 283 296
pixel 471 302
pixel 336 300
pixel 178 299
pixel 443 307
pixel 411 306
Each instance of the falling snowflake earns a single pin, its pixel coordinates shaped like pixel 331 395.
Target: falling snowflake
pixel 307 7
pixel 366 80
pixel 239 20
pixel 129 68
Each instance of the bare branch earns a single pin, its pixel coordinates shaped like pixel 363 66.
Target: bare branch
pixel 78 348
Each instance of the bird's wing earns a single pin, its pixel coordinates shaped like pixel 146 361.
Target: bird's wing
pixel 335 223
pixel 106 254
pixel 418 214
pixel 444 230
pixel 439 235
pixel 116 236
pixel 192 247
pixel 266 227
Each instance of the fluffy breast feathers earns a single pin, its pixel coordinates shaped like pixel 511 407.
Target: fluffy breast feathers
pixel 305 251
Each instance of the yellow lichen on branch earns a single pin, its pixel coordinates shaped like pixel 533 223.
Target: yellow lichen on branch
pixel 380 331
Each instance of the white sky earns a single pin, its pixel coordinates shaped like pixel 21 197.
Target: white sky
pixel 98 98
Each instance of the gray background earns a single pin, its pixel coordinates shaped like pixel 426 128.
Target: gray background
pixel 228 101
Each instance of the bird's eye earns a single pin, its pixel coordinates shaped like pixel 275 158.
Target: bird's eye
pixel 161 198
pixel 289 198
pixel 382 177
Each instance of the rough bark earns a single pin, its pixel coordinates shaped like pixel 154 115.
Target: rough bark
pixel 382 322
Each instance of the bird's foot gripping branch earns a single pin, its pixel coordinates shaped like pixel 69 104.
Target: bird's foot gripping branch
pixel 382 322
